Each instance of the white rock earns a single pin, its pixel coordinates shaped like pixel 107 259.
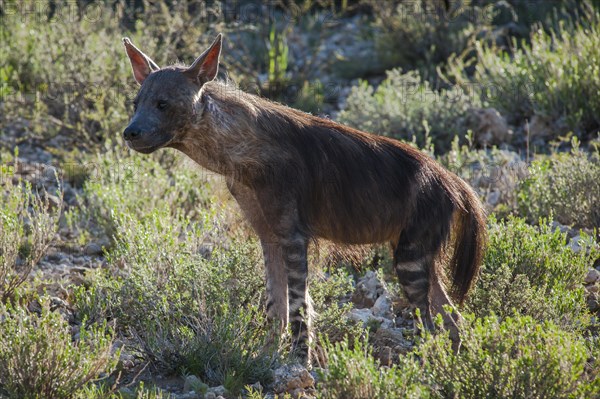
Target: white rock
pixel 193 383
pixel 592 276
pixel 493 197
pixel 489 127
pixel 574 244
pixel 361 315
pixel 218 391
pixel 368 289
pixel 292 379
pixel 366 317
pixel 383 307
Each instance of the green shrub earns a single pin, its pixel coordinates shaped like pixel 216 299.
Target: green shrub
pixel 422 35
pixel 514 358
pixel 62 71
pixel 426 35
pixel 232 348
pixel 556 76
pixel 102 391
pixel 186 312
pixel 39 359
pixel 188 307
pixel 145 251
pixel 528 16
pixel 27 226
pixel 331 319
pixel 406 107
pixel 352 372
pixel 66 73
pixel 121 183
pixel 566 186
pixel 530 270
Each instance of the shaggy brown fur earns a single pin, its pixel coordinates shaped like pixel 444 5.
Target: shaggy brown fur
pixel 298 177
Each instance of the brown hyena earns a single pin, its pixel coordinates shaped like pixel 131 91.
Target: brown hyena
pixel 297 177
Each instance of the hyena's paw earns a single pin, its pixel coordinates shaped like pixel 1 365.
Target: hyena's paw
pixel 302 353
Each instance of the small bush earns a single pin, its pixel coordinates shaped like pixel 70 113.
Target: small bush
pixel 531 271
pixel 38 358
pixel 331 319
pixel 406 107
pixel 566 186
pixel 27 226
pixel 352 372
pixel 232 348
pixel 61 70
pixel 426 35
pixel 189 307
pixel 185 311
pixel 100 391
pixel 514 358
pixel 120 183
pixel 423 35
pixel 556 76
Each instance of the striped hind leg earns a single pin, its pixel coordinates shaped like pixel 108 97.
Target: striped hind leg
pixel 422 285
pixel 413 266
pixel 439 302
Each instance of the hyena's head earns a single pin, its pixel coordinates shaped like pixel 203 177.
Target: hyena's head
pixel 168 100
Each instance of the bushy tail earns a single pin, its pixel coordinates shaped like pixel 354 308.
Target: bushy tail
pixel 469 236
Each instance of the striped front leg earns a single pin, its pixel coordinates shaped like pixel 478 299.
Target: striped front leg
pixel 295 256
pixel 277 286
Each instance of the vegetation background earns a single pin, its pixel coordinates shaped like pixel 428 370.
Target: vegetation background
pixel 128 276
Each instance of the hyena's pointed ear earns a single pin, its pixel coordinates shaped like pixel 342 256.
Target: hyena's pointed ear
pixel 205 68
pixel 141 64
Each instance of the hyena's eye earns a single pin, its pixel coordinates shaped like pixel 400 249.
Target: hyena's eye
pixel 161 104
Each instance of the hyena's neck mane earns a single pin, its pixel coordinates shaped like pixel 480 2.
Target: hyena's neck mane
pixel 239 135
pixel 234 114
pixel 233 111
pixel 222 135
pixel 235 132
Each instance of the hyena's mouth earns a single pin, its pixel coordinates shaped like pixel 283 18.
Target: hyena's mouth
pixel 142 149
pixel 146 145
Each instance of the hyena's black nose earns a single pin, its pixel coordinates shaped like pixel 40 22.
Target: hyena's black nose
pixel 131 132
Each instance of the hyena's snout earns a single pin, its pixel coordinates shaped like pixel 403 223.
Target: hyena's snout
pixel 145 137
pixel 140 127
pixel 132 132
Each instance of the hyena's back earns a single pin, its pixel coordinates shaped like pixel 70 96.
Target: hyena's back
pixel 356 188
